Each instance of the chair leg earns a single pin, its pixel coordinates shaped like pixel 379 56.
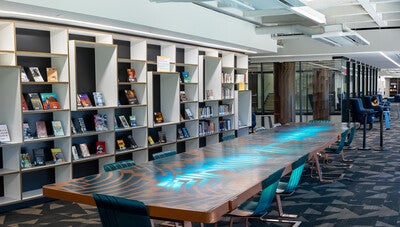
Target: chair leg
pixel 294 223
pixel 280 208
pixel 231 222
pixel 344 159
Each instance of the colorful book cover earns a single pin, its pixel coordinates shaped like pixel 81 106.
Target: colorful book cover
pixel 57 128
pixel 185 77
pixel 84 150
pixel 41 130
pixel 24 104
pixel 37 76
pixel 131 96
pixel 38 155
pixel 98 99
pixel 158 117
pixel 124 122
pixel 52 75
pixel 101 147
pixel 121 144
pixel 131 73
pixel 24 77
pixel 49 101
pixel 132 120
pixel 58 156
pixel 100 122
pixel 74 151
pixel 84 100
pixel 35 102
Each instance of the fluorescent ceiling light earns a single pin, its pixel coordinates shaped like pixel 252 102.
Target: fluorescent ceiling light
pixel 310 13
pixel 390 59
pixel 121 29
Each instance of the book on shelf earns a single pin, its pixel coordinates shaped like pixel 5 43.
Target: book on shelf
pixel 132 142
pixel 25 161
pixel 121 144
pixel 131 74
pixel 75 154
pixel 24 77
pixel 73 128
pixel 100 122
pixel 162 137
pixel 84 100
pixel 101 147
pixel 188 114
pixel 78 101
pixel 131 97
pixel 81 124
pixel 185 77
pixel 41 130
pixel 150 140
pixel 185 132
pixel 39 157
pixel 35 72
pixel 24 104
pixel 183 96
pixel 163 64
pixel 123 121
pixel 58 156
pixel 27 131
pixel 34 101
pixel 132 121
pixel 209 94
pixel 98 99
pixel 4 135
pixel 52 75
pixel 158 117
pixel 57 128
pixel 180 133
pixel 115 122
pixel 49 100
pixel 240 80
pixel 84 150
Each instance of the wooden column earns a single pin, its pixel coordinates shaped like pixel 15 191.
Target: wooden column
pixel 321 94
pixel 284 89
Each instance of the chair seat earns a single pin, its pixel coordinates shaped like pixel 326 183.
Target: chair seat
pixel 245 209
pixel 283 188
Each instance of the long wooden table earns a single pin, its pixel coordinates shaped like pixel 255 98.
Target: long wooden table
pixel 202 185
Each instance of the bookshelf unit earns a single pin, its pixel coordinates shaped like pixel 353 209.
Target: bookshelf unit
pixel 87 61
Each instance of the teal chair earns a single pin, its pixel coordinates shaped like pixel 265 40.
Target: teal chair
pixel 120 212
pixel 118 165
pixel 349 140
pixel 164 154
pixel 288 188
pixel 259 208
pixel 337 149
pixel 228 137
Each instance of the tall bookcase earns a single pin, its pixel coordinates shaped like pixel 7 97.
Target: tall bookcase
pixel 90 61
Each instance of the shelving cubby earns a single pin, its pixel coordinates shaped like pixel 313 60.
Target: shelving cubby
pixel 243 110
pixel 209 78
pixel 7 44
pixel 157 48
pixel 169 132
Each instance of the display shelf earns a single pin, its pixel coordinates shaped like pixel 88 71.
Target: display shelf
pixel 129 150
pixel 131 48
pixel 209 78
pixel 11 163
pixel 98 37
pixel 7 44
pixel 243 109
pixel 47 166
pixel 29 112
pixel 32 194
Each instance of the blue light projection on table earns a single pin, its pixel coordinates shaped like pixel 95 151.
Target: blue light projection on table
pixel 207 169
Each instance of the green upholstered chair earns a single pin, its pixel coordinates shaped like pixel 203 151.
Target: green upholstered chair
pixel 118 165
pixel 164 154
pixel 259 208
pixel 120 212
pixel 288 188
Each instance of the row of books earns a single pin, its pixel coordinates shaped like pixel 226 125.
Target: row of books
pixel 183 133
pixel 227 78
pixel 162 138
pixel 40 101
pixel 82 150
pixel 227 93
pixel 225 125
pixel 83 100
pixel 126 142
pixel 78 125
pixel 224 109
pixel 38 157
pixel 41 130
pixel 206 111
pixel 35 75
pixel 206 128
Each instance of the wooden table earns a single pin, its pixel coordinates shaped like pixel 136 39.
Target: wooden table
pixel 202 185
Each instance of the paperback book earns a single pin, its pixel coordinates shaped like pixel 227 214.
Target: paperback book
pixel 185 77
pixel 38 155
pixel 82 125
pixel 124 122
pixel 49 101
pixel 58 156
pixel 162 138
pixel 37 76
pixel 24 77
pixel 130 95
pixel 41 130
pixel 150 140
pixel 131 73
pixel 57 128
pixel 183 96
pixel 101 147
pixel 98 99
pixel 27 131
pixel 132 142
pixel 84 150
pixel 189 114
pixel 132 120
pixel 52 75
pixel 158 117
pixel 185 132
pixel 84 100
pixel 34 101
pixel 121 144
pixel 100 122
pixel 25 161
pixel 74 151
pixel 4 135
pixel 24 104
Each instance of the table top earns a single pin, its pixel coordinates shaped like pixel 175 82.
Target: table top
pixel 202 185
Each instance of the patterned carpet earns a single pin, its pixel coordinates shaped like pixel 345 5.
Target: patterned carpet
pixel 367 195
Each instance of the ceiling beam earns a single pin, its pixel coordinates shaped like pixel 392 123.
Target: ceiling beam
pixel 266 12
pixel 371 9
pixel 392 7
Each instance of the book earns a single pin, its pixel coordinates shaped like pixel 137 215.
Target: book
pixel 27 131
pixel 37 76
pixel 132 121
pixel 4 135
pixel 78 101
pixel 38 155
pixel 73 128
pixel 24 77
pixel 121 144
pixel 84 150
pixel 25 161
pixel 180 133
pixel 188 114
pixel 158 117
pixel 185 132
pixel 58 156
pixel 163 64
pixel 124 122
pixel 162 138
pixel 34 101
pixel 24 104
pixel 41 130
pixel 150 140
pixel 81 124
pixel 183 96
pixel 132 142
pixel 74 151
pixel 84 100
pixel 52 75
pixel 131 73
pixel 130 95
pixel 57 128
pixel 101 147
pixel 49 100
pixel 98 99
pixel 185 77
pixel 100 122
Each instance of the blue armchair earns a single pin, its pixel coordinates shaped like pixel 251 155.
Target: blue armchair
pixel 367 102
pixel 386 104
pixel 358 112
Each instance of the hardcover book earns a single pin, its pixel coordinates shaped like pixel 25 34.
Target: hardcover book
pixel 38 155
pixel 131 73
pixel 101 147
pixel 124 122
pixel 185 77
pixel 132 142
pixel 121 144
pixel 37 77
pixel 98 99
pixel 50 101
pixel 84 100
pixel 4 135
pixel 34 101
pixel 130 95
pixel 24 77
pixel 84 150
pixel 132 120
pixel 41 130
pixel 100 122
pixel 158 117
pixel 58 156
pixel 57 128
pixel 74 151
pixel 52 75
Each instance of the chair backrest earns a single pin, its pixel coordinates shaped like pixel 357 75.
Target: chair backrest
pixel 228 137
pixel 269 186
pixel 118 165
pixel 341 142
pixel 350 136
pixel 116 211
pixel 164 154
pixel 315 121
pixel 297 171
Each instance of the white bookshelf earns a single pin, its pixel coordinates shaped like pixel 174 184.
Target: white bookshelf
pixel 7 44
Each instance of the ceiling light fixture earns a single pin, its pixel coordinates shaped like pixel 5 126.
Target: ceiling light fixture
pixel 390 59
pixel 310 13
